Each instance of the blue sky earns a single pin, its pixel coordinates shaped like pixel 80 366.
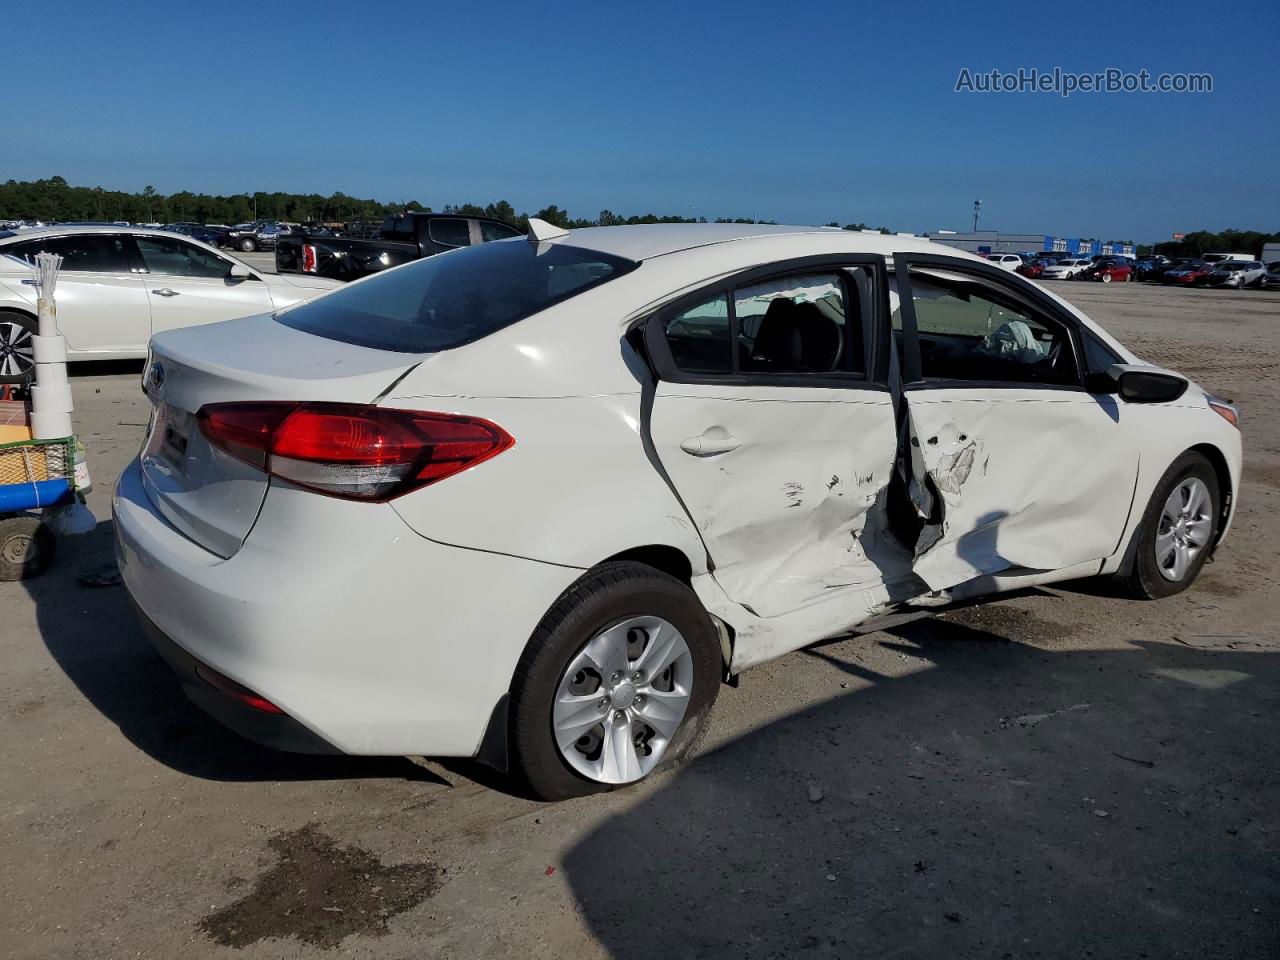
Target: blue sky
pixel 800 112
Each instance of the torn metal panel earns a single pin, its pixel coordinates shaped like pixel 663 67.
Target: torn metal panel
pixel 757 639
pixel 1037 479
pixel 783 503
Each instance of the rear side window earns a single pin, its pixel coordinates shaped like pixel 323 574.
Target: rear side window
pixel 792 325
pixel 88 253
pixel 496 231
pixel 455 298
pixel 450 232
pixel 23 251
pixel 398 228
pixel 795 325
pixel 700 338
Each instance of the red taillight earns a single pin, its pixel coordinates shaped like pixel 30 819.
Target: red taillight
pixel 350 450
pixel 232 689
pixel 308 258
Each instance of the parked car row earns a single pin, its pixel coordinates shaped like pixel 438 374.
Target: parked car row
pixel 401 239
pixel 1103 268
pixel 1229 270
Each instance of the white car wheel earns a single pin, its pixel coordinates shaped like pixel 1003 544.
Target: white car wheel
pixel 17 349
pixel 617 680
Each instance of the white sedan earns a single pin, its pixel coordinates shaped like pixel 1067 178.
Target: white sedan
pixel 119 285
pixel 1066 269
pixel 534 501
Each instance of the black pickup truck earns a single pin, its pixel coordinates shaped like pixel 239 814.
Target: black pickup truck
pixel 403 237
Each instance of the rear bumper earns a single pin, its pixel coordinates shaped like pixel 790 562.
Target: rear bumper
pixel 276 730
pixel 370 637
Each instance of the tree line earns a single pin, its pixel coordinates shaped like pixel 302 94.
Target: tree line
pixel 1200 242
pixel 56 200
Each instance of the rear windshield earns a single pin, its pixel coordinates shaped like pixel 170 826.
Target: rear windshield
pixel 455 298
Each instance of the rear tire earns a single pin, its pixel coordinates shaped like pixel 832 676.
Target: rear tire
pixel 17 350
pixel 1145 578
pixel 610 596
pixel 27 548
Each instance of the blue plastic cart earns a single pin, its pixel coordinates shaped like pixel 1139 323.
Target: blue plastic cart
pixel 34 474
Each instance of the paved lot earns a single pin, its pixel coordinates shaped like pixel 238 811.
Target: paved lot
pixel 1060 774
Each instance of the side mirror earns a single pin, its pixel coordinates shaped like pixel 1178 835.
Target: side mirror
pixel 240 272
pixel 1138 384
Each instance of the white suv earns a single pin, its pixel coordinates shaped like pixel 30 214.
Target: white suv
pixel 1005 261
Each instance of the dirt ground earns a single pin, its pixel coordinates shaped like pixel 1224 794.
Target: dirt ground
pixel 1059 774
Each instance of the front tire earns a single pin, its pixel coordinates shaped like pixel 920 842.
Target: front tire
pixel 1177 531
pixel 248 245
pixel 617 681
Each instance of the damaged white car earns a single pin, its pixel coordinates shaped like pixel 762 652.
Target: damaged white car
pixel 533 501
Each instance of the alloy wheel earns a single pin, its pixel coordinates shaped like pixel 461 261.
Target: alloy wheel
pixel 1184 528
pixel 621 700
pixel 17 351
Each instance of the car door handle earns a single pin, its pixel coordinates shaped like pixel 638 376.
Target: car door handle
pixel 709 446
pixel 165 292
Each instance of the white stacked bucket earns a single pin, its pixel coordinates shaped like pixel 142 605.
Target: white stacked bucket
pixel 51 394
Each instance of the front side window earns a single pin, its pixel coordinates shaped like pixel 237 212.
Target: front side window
pixel 450 232
pixel 446 301
pixel 973 329
pixel 174 258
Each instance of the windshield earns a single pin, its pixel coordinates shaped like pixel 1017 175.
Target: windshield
pixel 455 298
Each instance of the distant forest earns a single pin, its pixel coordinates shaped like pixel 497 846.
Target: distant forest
pixel 55 199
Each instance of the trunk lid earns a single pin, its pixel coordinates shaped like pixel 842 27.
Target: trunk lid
pixel 208 495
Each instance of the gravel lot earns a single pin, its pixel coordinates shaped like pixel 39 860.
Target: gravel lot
pixel 1061 773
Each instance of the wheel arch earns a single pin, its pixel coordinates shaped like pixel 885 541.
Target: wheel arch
pixel 661 556
pixel 7 306
pixel 1218 460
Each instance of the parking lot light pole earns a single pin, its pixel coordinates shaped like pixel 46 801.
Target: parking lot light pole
pixel 977 205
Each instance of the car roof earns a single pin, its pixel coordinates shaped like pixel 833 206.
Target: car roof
pixel 66 228
pixel 645 241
